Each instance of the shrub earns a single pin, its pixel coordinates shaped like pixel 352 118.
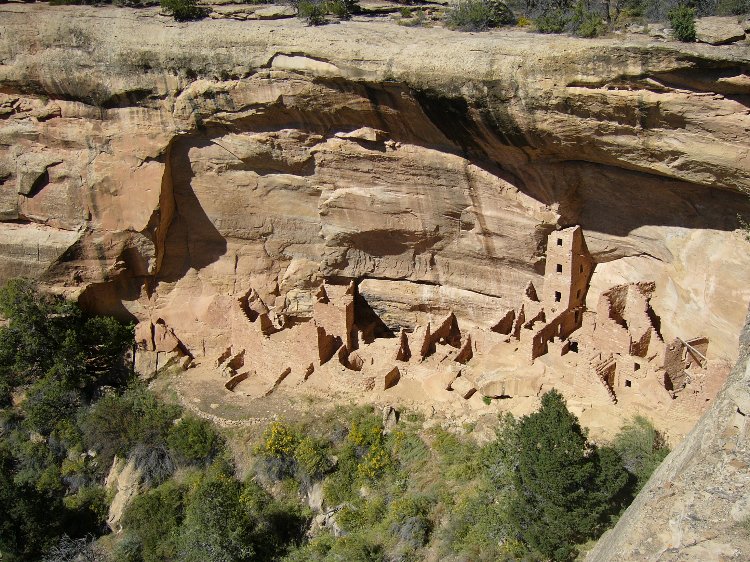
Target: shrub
pixel 46 333
pixel 279 440
pixel 153 519
pixel 469 15
pixel 76 550
pixel 48 403
pixel 115 424
pixel 312 11
pixel 479 15
pixel 312 457
pixel 478 524
pixel 339 9
pixel 732 7
pixel 375 463
pixel 641 448
pixel 194 441
pixel 155 463
pixel 500 13
pixel 408 520
pixel 682 20
pixel 586 22
pixel 184 10
pixel 459 457
pixel 553 21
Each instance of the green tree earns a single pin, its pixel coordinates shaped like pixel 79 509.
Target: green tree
pixel 563 488
pixel 46 333
pixel 682 20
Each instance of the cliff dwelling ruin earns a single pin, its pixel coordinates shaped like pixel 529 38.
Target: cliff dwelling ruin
pixel 609 357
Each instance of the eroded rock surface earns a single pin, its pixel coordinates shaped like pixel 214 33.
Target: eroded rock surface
pixel 185 165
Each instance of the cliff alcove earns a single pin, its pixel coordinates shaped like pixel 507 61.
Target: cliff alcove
pixel 167 173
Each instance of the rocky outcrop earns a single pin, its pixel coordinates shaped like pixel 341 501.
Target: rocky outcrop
pixel 719 30
pixel 696 506
pixel 186 165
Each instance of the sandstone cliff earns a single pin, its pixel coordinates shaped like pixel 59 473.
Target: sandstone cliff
pixel 162 170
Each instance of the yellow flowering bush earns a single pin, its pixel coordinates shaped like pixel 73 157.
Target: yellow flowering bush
pixel 279 441
pixel 376 462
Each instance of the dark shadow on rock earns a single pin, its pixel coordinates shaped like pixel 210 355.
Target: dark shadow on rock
pixel 193 241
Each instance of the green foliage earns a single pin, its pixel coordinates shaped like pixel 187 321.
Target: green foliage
pixel 459 457
pixel 48 335
pixel 479 526
pixel 228 521
pixel 642 448
pixel 194 441
pixel 586 22
pixel 153 520
pixel 57 358
pixel 312 11
pixel 478 15
pixel 682 20
pixel 564 488
pixel 580 17
pixel 184 10
pixel 49 403
pixel 118 422
pixel 312 458
pixel 553 21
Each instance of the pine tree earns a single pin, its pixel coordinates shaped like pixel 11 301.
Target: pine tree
pixel 564 487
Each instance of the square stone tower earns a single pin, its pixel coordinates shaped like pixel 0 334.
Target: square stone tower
pixel 567 271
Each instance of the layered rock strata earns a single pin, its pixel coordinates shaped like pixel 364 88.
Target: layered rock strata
pixel 162 171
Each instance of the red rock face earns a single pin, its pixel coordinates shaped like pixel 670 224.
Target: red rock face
pixel 160 174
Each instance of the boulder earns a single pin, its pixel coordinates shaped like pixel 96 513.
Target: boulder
pixel 390 418
pixel 718 30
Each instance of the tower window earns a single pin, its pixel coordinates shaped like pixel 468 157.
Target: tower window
pixel 559 241
pixel 581 270
pixel 636 366
pixel 628 383
pixel 559 268
pixel 576 315
pixel 578 293
pixel 558 296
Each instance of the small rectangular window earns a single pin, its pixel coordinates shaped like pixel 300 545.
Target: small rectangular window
pixel 576 315
pixel 628 383
pixel 558 296
pixel 581 269
pixel 559 268
pixel 636 366
pixel 578 294
pixel 559 241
